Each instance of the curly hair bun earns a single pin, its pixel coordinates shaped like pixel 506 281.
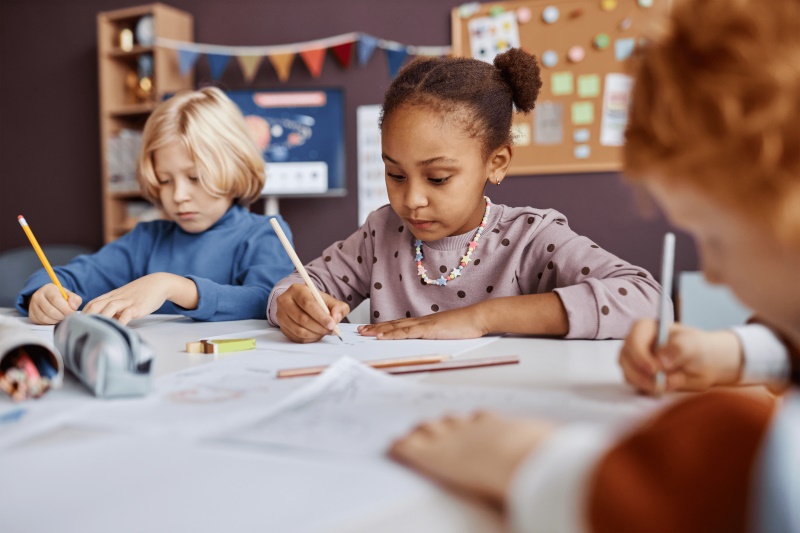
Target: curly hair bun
pixel 520 71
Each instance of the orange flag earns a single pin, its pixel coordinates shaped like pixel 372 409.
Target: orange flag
pixel 249 66
pixel 343 53
pixel 313 60
pixel 282 64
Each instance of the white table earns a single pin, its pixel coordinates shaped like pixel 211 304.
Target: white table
pixel 70 482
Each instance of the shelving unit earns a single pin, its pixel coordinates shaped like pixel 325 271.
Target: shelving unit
pixel 124 110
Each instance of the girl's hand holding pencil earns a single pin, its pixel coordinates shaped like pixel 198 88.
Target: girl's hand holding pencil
pixel 302 319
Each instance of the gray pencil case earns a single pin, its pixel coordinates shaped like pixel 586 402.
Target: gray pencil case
pixel 110 359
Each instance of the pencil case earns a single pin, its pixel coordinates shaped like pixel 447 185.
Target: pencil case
pixel 25 354
pixel 110 359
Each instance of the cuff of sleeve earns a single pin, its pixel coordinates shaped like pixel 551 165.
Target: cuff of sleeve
pixel 581 306
pixel 766 359
pixel 272 308
pixel 207 300
pixel 549 491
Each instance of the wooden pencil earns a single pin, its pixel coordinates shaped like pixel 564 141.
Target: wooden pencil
pixel 40 253
pixel 380 363
pixel 302 270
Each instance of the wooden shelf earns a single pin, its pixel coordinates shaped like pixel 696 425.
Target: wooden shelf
pixel 126 195
pixel 133 53
pixel 115 67
pixel 130 110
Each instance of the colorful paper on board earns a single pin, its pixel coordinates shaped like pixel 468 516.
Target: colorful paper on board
pixel 548 123
pixel 521 134
pixel 561 83
pixel 588 86
pixel 582 113
pixel 623 48
pixel 490 36
pixel 616 98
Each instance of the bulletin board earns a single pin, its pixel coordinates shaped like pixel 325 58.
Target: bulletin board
pixel 582 108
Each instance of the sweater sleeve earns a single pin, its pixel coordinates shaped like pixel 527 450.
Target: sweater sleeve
pixel 90 276
pixel 602 294
pixel 343 270
pixel 766 358
pixel 260 263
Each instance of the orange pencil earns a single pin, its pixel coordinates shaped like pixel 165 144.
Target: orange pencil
pixel 380 363
pixel 40 253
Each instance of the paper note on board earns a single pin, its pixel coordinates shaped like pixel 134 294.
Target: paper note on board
pixel 588 86
pixel 489 36
pixel 548 123
pixel 561 83
pixel 616 98
pixel 582 113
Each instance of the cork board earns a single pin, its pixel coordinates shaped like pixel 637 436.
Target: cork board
pixel 581 111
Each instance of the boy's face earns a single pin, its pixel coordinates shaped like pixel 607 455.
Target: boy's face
pixel 435 173
pixel 738 251
pixel 184 200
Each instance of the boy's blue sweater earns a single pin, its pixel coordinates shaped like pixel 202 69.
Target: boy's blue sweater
pixel 235 263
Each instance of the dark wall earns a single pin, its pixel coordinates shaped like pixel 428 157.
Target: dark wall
pixel 49 138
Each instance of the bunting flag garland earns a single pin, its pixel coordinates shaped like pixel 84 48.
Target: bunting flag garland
pixel 249 65
pixel 395 59
pixel 282 56
pixel 343 53
pixel 282 63
pixel 217 62
pixel 366 45
pixel 186 60
pixel 313 60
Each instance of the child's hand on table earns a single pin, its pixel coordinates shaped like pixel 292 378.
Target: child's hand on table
pixel 693 359
pixel 48 306
pixel 463 323
pixel 144 296
pixel 302 319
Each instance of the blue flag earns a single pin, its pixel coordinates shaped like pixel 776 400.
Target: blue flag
pixel 217 62
pixel 395 58
pixel 366 45
pixel 186 60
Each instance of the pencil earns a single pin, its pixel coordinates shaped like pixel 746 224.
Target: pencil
pixel 302 270
pixel 379 363
pixel 40 253
pixel 667 267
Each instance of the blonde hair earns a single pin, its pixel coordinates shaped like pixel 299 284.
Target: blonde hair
pixel 213 130
pixel 716 104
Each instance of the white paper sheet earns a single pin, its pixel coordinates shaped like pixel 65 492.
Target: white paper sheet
pixel 352 408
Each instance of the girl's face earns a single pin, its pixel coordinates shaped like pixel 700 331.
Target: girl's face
pixel 737 251
pixel 184 200
pixel 435 173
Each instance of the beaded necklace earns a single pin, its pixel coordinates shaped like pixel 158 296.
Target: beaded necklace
pixel 473 245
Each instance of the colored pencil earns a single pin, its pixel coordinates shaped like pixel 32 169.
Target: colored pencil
pixel 379 363
pixel 40 253
pixel 664 315
pixel 302 270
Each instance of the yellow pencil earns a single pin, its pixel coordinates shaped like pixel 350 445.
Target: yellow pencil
pixel 42 258
pixel 301 269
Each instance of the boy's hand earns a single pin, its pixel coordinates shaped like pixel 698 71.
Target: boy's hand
pixel 302 319
pixel 138 298
pixel 48 306
pixel 463 323
pixel 692 359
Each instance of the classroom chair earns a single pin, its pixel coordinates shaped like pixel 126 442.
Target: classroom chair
pixel 18 264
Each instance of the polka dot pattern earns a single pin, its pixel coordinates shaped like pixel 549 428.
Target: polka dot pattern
pixel 505 242
pixel 550 265
pixel 360 259
pixel 346 279
pixel 585 271
pixel 462 294
pixel 489 289
pixel 604 309
pixel 327 259
pixel 378 285
pixel 434 308
pixel 551 247
pixel 623 291
pixel 408 314
pixel 376 314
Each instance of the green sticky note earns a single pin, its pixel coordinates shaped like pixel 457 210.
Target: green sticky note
pixel 588 86
pixel 561 83
pixel 582 113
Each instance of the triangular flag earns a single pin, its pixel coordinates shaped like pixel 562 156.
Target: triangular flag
pixel 186 60
pixel 249 66
pixel 366 45
pixel 343 53
pixel 395 59
pixel 282 64
pixel 313 60
pixel 217 62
